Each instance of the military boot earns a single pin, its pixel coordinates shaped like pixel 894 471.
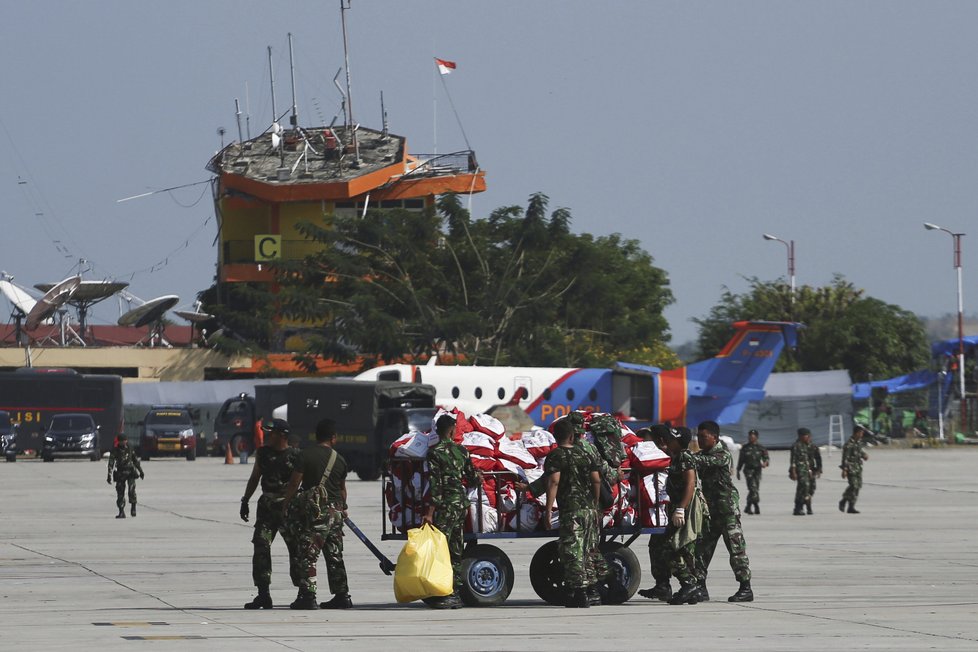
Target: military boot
pixel 743 594
pixel 661 591
pixel 578 600
pixel 747 510
pixel 704 594
pixel 852 509
pixel 593 597
pixel 842 505
pixel 339 601
pixel 262 601
pixel 132 510
pixel 687 594
pixel 757 508
pixel 808 505
pixel 305 600
pixel 798 511
pixel 122 513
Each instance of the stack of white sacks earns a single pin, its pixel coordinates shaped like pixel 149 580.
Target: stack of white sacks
pixel 505 459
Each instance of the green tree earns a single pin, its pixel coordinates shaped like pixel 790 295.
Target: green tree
pixel 843 328
pixel 514 288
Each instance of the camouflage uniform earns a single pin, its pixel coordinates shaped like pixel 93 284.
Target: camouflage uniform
pixel 324 533
pixel 714 468
pixel 448 464
pixel 682 560
pixel 276 469
pixel 803 466
pixel 816 456
pixel 751 461
pixel 852 464
pixel 576 511
pixel 123 459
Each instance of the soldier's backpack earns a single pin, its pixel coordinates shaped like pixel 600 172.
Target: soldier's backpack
pixel 306 508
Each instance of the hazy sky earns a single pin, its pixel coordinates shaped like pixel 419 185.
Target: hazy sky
pixel 694 127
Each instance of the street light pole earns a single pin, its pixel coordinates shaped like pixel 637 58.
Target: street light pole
pixel 790 245
pixel 957 265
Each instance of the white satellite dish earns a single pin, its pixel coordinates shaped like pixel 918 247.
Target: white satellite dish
pixel 87 295
pixel 17 296
pixel 193 316
pixel 53 299
pixel 149 312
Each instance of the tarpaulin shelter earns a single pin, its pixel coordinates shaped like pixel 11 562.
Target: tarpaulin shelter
pixel 804 399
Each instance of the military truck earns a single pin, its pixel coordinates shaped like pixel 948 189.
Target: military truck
pixel 235 421
pixel 369 416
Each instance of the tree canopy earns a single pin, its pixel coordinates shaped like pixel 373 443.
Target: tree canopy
pixel 843 328
pixel 514 288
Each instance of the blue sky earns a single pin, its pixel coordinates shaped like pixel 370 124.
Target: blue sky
pixel 692 127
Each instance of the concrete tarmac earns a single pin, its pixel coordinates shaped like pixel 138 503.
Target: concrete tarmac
pixel 902 575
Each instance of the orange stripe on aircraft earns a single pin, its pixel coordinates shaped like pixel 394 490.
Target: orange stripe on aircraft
pixel 672 396
pixel 743 330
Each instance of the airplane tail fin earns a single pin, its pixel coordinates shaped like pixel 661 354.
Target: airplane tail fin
pixel 720 388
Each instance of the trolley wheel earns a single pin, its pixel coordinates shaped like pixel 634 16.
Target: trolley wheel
pixel 487 576
pixel 546 575
pixel 625 576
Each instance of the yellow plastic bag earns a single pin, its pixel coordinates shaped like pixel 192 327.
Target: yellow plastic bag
pixel 424 567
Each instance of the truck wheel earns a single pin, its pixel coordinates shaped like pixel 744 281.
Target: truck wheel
pixel 546 575
pixel 368 473
pixel 47 458
pixel 626 573
pixel 95 457
pixel 144 456
pixel 487 576
pixel 11 457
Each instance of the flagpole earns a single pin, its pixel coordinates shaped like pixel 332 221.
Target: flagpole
pixel 434 112
pixel 451 103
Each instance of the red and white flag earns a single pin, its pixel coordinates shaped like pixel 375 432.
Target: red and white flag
pixel 444 67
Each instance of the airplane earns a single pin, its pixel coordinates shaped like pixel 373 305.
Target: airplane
pixel 716 389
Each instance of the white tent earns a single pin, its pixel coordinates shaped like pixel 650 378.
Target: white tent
pixel 804 399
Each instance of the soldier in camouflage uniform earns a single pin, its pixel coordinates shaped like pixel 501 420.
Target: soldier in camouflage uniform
pixel 853 457
pixel 126 465
pixel 802 470
pixel 274 463
pixel 714 465
pixel 688 513
pixel 753 458
pixel 574 481
pixel 448 465
pixel 816 472
pixel 658 543
pixel 322 471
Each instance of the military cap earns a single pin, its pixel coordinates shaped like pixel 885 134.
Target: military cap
pixel 804 431
pixel 281 425
pixel 753 431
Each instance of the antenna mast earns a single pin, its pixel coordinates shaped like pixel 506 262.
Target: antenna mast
pixel 237 114
pixel 271 77
pixel 295 111
pixel 383 117
pixel 344 5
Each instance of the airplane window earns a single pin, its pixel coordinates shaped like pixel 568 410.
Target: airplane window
pixel 592 395
pixel 455 392
pixel 570 394
pixel 478 392
pixel 501 393
pixel 546 394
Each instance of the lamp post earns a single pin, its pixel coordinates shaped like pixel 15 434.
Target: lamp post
pixel 957 265
pixel 790 245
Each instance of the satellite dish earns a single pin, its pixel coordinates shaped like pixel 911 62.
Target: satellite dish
pixel 16 296
pixel 87 295
pixel 149 312
pixel 193 317
pixel 53 299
